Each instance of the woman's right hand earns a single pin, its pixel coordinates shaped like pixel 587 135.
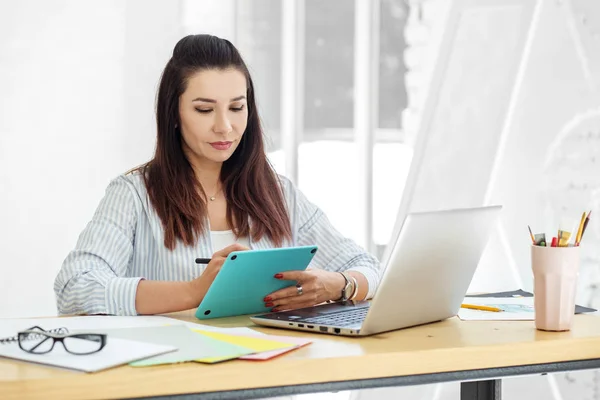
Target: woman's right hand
pixel 200 285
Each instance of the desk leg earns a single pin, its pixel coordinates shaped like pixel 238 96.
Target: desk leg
pixel 481 390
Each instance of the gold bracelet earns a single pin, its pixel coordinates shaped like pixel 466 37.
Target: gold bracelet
pixel 355 288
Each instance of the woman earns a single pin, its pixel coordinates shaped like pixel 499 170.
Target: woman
pixel 209 187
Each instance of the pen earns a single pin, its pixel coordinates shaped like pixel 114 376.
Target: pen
pixel 202 260
pixel 483 308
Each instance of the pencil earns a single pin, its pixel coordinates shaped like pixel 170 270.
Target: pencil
pixel 580 229
pixel 531 234
pixel 587 219
pixel 482 308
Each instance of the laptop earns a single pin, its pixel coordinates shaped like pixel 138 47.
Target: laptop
pixel 427 275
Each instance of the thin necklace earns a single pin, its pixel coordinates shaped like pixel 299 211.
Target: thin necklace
pixel 214 196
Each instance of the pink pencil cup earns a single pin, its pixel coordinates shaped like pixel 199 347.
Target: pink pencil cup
pixel 555 271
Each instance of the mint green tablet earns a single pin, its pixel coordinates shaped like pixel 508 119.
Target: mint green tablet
pixel 247 277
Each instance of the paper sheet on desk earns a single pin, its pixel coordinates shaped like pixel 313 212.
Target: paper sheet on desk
pixel 514 309
pixel 147 330
pixel 262 344
pixel 10 326
pixel 267 355
pixel 190 346
pixel 259 344
pixel 236 330
pixel 522 293
pixel 116 352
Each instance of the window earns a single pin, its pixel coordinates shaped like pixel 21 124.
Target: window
pixel 314 42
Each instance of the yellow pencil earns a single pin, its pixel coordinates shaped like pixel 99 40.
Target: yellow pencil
pixel 531 234
pixel 580 230
pixel 482 308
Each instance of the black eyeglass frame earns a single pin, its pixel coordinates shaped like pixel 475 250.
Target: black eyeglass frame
pixel 59 337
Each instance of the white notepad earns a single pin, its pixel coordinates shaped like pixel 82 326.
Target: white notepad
pixel 116 352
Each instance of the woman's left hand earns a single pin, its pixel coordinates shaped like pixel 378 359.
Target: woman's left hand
pixel 313 286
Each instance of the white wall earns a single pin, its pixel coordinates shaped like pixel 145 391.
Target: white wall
pixel 76 109
pixel 549 165
pixel 549 153
pixel 535 178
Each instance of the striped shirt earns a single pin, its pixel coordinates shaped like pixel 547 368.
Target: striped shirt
pixel 124 243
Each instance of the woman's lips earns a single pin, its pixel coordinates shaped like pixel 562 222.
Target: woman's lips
pixel 221 145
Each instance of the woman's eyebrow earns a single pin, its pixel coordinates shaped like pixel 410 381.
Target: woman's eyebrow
pixel 206 100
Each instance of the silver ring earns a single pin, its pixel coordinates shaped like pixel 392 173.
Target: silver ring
pixel 299 289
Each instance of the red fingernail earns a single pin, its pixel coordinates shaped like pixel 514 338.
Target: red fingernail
pixel 268 304
pixel 278 276
pixel 274 309
pixel 268 298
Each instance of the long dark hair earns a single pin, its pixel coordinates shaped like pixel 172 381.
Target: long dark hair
pixel 251 186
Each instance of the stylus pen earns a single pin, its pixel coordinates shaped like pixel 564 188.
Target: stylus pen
pixel 202 260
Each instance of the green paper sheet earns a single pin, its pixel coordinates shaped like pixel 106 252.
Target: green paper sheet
pixel 190 345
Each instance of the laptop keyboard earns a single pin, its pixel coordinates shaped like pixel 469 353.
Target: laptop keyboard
pixel 353 316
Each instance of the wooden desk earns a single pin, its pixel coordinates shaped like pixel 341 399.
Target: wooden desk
pixel 477 351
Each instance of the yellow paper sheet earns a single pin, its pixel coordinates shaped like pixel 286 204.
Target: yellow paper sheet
pixel 255 344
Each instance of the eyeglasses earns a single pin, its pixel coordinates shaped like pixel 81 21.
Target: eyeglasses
pixel 35 340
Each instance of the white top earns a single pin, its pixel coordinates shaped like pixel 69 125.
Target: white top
pixel 222 239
